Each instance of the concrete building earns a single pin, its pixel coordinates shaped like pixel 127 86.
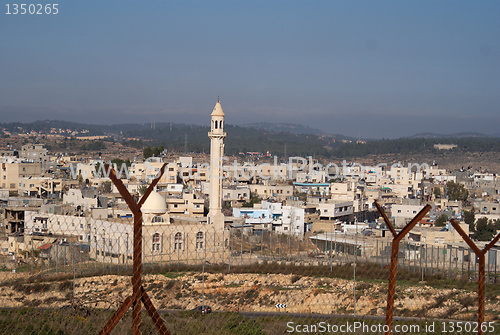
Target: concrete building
pixel 236 193
pixel 438 236
pixel 331 210
pixel 402 214
pixel 34 153
pixel 186 205
pixel 39 186
pixel 165 237
pixel 279 192
pixel 13 169
pixel 273 216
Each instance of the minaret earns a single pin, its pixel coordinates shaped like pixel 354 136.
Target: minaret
pixel 216 136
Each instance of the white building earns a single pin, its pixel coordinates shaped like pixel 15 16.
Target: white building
pixel 273 216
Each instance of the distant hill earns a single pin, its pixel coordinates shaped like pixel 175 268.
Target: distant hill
pixel 293 128
pixel 45 127
pixel 284 127
pixel 454 135
pixel 277 139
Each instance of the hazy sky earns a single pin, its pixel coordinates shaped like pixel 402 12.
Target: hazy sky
pixel 361 68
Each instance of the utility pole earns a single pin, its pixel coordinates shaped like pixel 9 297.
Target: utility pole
pixel 203 273
pixel 290 233
pixel 355 258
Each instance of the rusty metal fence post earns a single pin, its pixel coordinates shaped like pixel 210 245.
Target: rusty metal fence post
pixel 138 293
pixel 481 275
pixel 391 289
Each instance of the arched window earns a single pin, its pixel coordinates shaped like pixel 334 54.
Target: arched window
pixel 199 240
pixel 220 125
pixel 178 241
pixel 157 219
pixel 156 242
pixel 216 124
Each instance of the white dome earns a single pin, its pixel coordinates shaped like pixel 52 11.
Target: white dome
pixel 154 204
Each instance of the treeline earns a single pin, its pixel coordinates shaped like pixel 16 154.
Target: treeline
pixel 407 145
pixel 45 126
pixel 191 138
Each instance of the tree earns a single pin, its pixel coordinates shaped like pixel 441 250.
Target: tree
pixel 441 220
pixel 119 162
pixel 496 224
pixel 142 189
pixel 485 230
pixel 437 192
pixel 252 202
pixel 106 187
pixel 81 182
pixel 152 151
pixel 470 219
pixel 147 152
pixel 456 191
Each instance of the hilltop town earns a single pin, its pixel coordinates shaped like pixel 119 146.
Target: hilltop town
pixel 59 208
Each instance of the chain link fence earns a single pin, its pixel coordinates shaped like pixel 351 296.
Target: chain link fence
pixel 71 273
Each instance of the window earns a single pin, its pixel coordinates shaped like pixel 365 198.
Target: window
pixel 156 242
pixel 157 219
pixel 178 241
pixel 199 240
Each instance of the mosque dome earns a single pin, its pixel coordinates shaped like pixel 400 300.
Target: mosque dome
pixel 154 204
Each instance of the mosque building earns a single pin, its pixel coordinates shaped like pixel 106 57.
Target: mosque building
pixel 166 237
